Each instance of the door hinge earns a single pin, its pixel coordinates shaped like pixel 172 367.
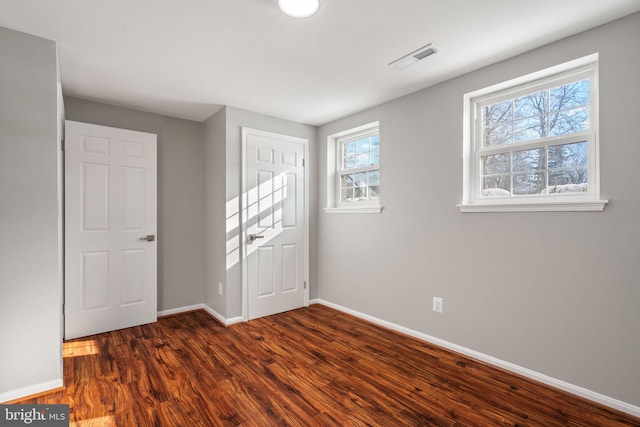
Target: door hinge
pixel 305 285
pixel 62 145
pixel 303 163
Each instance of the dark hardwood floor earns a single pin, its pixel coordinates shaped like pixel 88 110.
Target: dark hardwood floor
pixel 308 367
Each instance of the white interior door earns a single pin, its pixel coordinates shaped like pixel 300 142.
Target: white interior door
pixel 110 228
pixel 275 223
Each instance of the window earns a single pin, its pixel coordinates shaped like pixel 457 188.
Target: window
pixel 353 159
pixel 359 165
pixel 531 143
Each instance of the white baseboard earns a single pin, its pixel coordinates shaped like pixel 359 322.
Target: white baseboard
pixel 179 310
pixel 220 318
pixel 30 390
pixel 537 376
pixel 234 320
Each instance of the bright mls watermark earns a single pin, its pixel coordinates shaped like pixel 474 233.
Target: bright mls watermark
pixel 34 415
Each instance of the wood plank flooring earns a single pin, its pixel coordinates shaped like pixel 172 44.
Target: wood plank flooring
pixel 309 367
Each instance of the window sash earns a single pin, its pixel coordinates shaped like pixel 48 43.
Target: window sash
pixel 582 73
pixel 590 136
pixel 544 170
pixel 358 170
pixel 560 79
pixel 538 143
pixel 341 171
pixel 369 199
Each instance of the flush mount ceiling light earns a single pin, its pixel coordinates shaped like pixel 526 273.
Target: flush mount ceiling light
pixel 414 57
pixel 299 8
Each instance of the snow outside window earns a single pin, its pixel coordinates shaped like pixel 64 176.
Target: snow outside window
pixel 531 143
pixel 353 170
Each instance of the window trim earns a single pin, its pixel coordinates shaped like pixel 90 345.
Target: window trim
pixel 335 143
pixel 473 150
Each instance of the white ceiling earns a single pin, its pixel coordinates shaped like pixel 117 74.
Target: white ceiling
pixel 186 58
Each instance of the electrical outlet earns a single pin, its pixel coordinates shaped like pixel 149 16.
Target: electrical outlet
pixel 219 288
pixel 438 304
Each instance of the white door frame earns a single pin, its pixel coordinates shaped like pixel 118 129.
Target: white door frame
pixel 244 219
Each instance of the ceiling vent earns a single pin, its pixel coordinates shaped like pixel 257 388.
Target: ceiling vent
pixel 413 57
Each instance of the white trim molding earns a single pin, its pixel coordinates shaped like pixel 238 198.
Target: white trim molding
pixel 210 311
pixel 220 318
pixel 372 210
pixel 581 206
pixel 179 310
pixel 536 376
pixel 31 390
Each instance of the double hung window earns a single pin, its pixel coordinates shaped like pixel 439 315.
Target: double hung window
pixel 359 167
pixel 534 143
pixel 353 170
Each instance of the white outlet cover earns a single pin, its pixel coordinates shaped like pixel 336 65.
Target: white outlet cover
pixel 438 304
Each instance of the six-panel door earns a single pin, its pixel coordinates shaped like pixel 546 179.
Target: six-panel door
pixel 275 220
pixel 110 229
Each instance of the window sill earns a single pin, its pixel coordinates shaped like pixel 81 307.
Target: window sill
pixel 554 206
pixel 354 210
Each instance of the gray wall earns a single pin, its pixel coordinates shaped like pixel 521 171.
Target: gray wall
pixel 557 293
pixel 215 208
pixel 181 241
pixel 198 184
pixel 30 297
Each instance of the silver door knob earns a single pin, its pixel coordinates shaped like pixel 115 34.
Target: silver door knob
pixel 253 237
pixel 149 237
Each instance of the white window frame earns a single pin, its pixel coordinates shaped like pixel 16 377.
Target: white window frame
pixel 335 144
pixel 473 201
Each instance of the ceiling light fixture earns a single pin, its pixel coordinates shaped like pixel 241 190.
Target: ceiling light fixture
pixel 414 57
pixel 299 8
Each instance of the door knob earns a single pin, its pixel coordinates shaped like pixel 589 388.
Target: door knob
pixel 149 237
pixel 253 237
